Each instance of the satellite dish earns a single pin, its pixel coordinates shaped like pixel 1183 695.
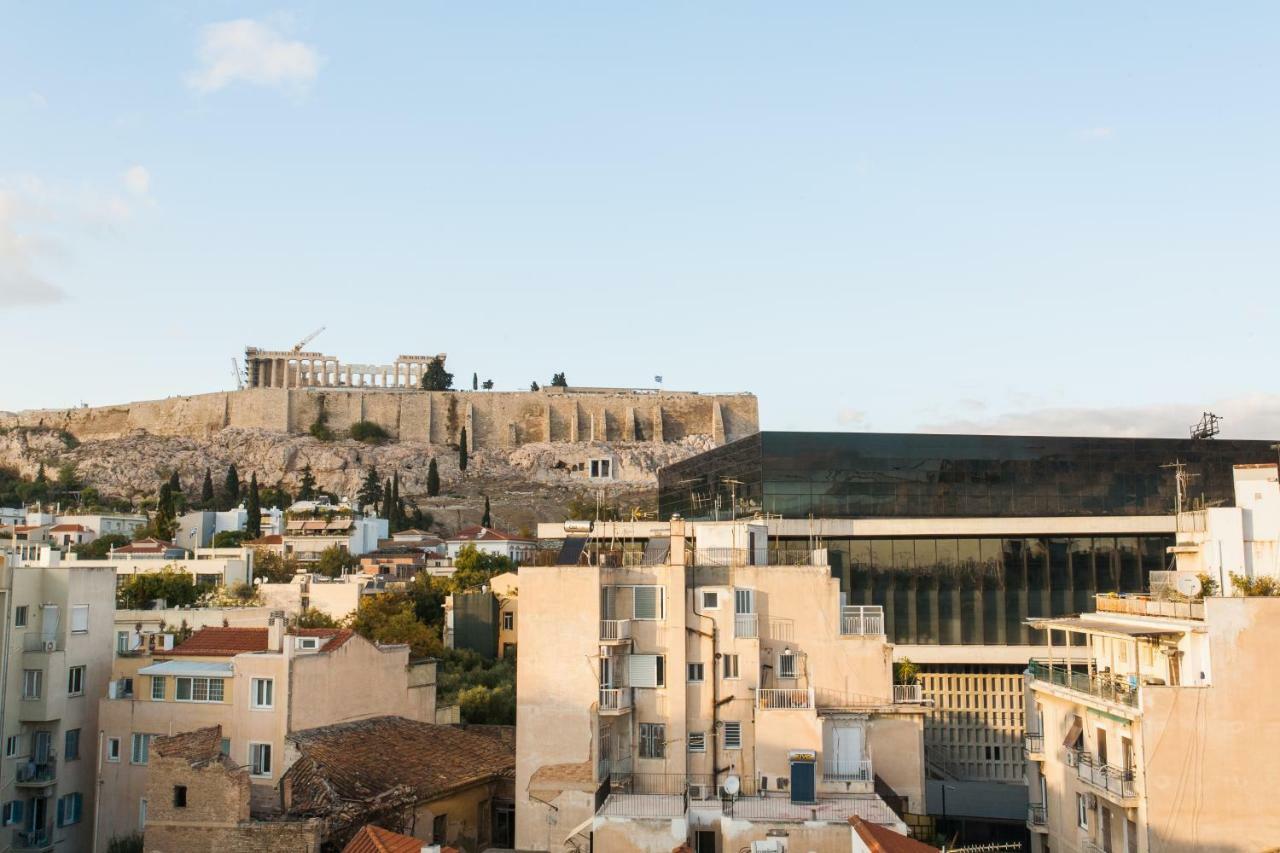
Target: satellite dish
pixel 1188 584
pixel 732 784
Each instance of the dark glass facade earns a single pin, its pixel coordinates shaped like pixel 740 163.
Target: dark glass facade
pixel 889 475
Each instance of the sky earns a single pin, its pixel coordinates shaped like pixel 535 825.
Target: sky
pixel 1050 218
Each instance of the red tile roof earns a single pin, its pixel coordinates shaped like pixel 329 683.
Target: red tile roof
pixel 150 545
pixel 68 528
pixel 485 534
pixel 222 642
pixel 273 539
pixel 337 636
pixel 375 839
pixel 881 839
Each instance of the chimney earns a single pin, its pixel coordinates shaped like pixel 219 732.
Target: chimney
pixel 275 631
pixel 677 541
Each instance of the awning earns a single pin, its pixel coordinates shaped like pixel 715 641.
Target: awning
pixel 1073 734
pixel 1106 627
pixel 201 669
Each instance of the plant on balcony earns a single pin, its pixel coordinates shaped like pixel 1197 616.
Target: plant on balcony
pixel 1262 586
pixel 905 672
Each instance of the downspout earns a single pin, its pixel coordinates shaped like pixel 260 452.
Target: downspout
pixel 715 685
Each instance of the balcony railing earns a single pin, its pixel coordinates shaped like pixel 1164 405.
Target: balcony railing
pixel 784 699
pixel 31 773
pixel 615 630
pixel 1036 815
pixel 615 700
pixel 1113 780
pixel 908 694
pixel 1032 744
pixel 32 839
pixel 34 641
pixel 722 557
pixel 1141 605
pixel 1106 687
pixel 746 626
pixel 835 770
pixel 862 620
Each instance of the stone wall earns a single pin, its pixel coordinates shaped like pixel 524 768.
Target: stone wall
pixel 494 419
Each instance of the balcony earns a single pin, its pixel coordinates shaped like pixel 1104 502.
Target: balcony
pixel 34 641
pixel 746 626
pixel 120 688
pixel 1105 687
pixel 908 694
pixel 32 840
pixel 862 620
pixel 1116 784
pixel 784 699
pixel 615 700
pixel 1033 746
pixel 615 630
pixel 1143 605
pixel 836 770
pixel 1037 818
pixel 33 775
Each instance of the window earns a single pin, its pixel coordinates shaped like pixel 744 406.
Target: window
pixel 1082 811
pixel 20 616
pixel 787 664
pixel 70 807
pixel 260 759
pixel 32 682
pixel 141 749
pixel 710 599
pixel 729 666
pixel 11 745
pixel 697 741
pixel 198 689
pixel 79 618
pixel 225 746
pixel 647 670
pixel 71 748
pixel 157 688
pixel 653 740
pixel 122 642
pixel 263 693
pixel 75 681
pixel 695 672
pixel 439 828
pixel 508 620
pixel 648 602
pixel 12 812
pixel 179 796
pixel 310 643
pixel 113 749
pixel 602 469
pixel 744 601
pixel 733 735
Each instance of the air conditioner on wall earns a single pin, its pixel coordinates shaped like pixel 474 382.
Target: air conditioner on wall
pixel 50 645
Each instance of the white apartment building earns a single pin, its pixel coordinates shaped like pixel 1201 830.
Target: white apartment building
pixel 57 653
pixel 674 687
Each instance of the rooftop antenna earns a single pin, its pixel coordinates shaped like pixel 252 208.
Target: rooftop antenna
pixel 1207 428
pixel 733 496
pixel 1181 479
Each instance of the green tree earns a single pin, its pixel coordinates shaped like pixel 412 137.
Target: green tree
pixel 487 385
pixel 384 508
pixel 175 487
pixel 433 479
pixel 126 843
pixel 163 523
pixel 390 619
pixel 396 519
pixel 558 381
pixel 229 538
pixel 231 488
pixel 368 432
pixel 273 568
pixel 277 496
pixel 100 548
pixel 370 490
pixel 176 588
pixel 428 594
pixel 68 483
pixel 307 488
pixel 40 486
pixel 486 520
pixel 253 507
pixel 533 386
pixel 435 377
pixel 475 382
pixel 420 520
pixel 206 491
pixel 484 689
pixel 335 561
pixel 312 618
pixel 462 450
pixel 472 567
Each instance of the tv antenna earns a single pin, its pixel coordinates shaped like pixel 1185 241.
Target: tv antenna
pixel 1207 428
pixel 1181 480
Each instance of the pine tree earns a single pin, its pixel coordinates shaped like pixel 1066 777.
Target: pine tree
pixel 533 386
pixel 435 377
pixel 462 450
pixel 206 491
pixel 487 385
pixel 475 382
pixel 558 381
pixel 231 488
pixel 253 524
pixel 433 479
pixel 370 489
pixel 307 490
pixel 486 520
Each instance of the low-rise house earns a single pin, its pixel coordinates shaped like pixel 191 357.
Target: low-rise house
pixel 440 784
pixel 67 535
pixel 491 541
pixel 149 548
pixel 258 684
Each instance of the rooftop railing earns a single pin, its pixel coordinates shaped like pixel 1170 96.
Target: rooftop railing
pixel 1141 605
pixel 784 698
pixel 908 694
pixel 862 620
pixel 1106 687
pixel 845 770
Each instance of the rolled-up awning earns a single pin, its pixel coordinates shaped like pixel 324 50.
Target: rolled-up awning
pixel 199 669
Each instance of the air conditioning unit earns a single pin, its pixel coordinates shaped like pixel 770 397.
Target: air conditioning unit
pixel 50 645
pixel 1073 758
pixel 698 792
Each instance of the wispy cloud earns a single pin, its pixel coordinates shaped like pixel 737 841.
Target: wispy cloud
pixel 253 52
pixel 1095 134
pixel 137 180
pixel 20 285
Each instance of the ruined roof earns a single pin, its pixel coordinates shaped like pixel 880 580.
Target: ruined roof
pixel 388 760
pixel 223 642
pixel 486 534
pixel 881 839
pixel 199 747
pixel 375 839
pixel 337 636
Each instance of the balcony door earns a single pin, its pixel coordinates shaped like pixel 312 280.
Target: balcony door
pixel 608 672
pixel 40 747
pixel 843 748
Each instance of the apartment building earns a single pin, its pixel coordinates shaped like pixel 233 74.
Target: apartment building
pixel 57 654
pixel 674 687
pixel 305 539
pixel 483 620
pixel 259 685
pixel 1152 728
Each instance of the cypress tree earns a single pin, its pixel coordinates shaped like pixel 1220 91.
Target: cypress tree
pixel 462 450
pixel 206 491
pixel 231 488
pixel 475 382
pixel 397 509
pixel 307 490
pixel 486 520
pixel 253 524
pixel 175 495
pixel 386 501
pixel 370 489
pixel 164 510
pixel 433 479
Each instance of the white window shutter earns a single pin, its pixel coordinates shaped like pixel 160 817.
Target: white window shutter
pixel 79 617
pixel 643 671
pixel 647 602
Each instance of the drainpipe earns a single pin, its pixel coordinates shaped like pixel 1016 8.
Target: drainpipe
pixel 715 685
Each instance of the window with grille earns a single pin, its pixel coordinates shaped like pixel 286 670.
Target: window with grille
pixel 697 741
pixel 653 740
pixel 787 665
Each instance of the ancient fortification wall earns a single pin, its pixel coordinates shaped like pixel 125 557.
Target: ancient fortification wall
pixel 493 419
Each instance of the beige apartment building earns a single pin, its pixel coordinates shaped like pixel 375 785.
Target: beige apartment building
pixel 259 685
pixel 1154 728
pixel 57 660
pixel 676 688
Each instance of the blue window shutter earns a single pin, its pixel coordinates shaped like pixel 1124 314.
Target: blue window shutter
pixel 61 810
pixel 17 810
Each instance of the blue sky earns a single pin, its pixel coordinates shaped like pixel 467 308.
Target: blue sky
pixel 997 217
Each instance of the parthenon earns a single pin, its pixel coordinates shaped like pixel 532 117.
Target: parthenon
pixel 290 369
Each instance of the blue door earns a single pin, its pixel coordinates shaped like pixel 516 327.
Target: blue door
pixel 802 782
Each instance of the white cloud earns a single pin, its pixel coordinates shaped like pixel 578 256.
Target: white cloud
pixel 852 418
pixel 137 180
pixel 1250 416
pixel 20 284
pixel 1096 134
pixel 250 51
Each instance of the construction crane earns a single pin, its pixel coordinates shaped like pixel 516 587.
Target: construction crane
pixel 308 339
pixel 235 370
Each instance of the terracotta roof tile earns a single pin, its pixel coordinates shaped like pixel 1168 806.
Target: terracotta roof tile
pixel 375 839
pixel 881 839
pixel 337 636
pixel 485 534
pixel 68 528
pixel 273 539
pixel 199 747
pixel 223 642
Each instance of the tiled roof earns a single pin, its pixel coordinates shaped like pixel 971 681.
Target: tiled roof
pixel 881 839
pixel 223 642
pixel 485 534
pixel 337 636
pixel 273 539
pixel 375 839
pixel 149 545
pixel 68 528
pixel 392 761
pixel 199 747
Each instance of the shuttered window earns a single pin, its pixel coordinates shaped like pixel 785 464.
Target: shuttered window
pixel 647 671
pixel 79 618
pixel 697 741
pixel 648 602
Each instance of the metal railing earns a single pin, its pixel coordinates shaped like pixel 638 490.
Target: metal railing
pixel 615 629
pixel 1033 744
pixel 862 620
pixel 746 626
pixel 835 770
pixel 722 557
pixel 615 699
pixel 1106 687
pixel 31 773
pixel 34 641
pixel 1113 780
pixel 32 839
pixel 784 699
pixel 1036 815
pixel 1141 605
pixel 908 694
